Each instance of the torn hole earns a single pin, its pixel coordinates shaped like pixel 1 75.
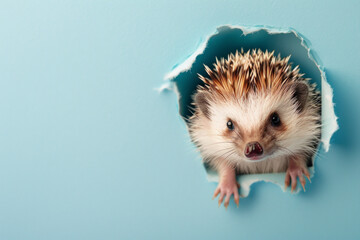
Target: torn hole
pixel 184 80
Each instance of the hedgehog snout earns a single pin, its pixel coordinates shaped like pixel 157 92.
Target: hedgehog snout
pixel 253 150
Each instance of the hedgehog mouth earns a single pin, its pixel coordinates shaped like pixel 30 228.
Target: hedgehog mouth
pixel 256 159
pixel 260 158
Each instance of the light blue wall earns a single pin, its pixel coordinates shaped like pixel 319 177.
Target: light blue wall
pixel 88 150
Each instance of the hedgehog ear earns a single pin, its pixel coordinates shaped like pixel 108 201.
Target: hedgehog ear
pixel 301 92
pixel 202 102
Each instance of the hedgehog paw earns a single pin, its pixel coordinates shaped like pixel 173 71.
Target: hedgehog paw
pixel 227 187
pixel 296 170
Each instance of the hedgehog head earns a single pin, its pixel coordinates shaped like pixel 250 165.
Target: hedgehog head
pixel 254 106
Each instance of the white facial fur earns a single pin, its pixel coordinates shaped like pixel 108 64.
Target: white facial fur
pixel 250 116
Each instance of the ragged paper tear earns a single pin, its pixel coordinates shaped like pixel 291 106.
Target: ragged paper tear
pixel 183 79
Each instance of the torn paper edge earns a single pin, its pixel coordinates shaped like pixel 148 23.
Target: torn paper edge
pixel 328 117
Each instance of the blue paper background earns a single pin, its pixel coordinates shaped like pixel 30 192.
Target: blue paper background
pixel 88 149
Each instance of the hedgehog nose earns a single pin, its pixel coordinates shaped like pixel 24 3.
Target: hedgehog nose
pixel 253 149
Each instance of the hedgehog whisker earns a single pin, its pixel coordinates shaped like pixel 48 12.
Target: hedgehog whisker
pixel 219 143
pixel 224 149
pixel 231 150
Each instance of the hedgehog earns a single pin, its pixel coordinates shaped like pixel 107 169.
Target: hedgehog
pixel 255 113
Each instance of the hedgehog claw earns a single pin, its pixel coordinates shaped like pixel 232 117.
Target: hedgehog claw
pixel 293 172
pixel 307 174
pixel 226 188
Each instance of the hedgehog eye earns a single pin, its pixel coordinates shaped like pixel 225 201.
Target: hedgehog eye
pixel 230 125
pixel 275 120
